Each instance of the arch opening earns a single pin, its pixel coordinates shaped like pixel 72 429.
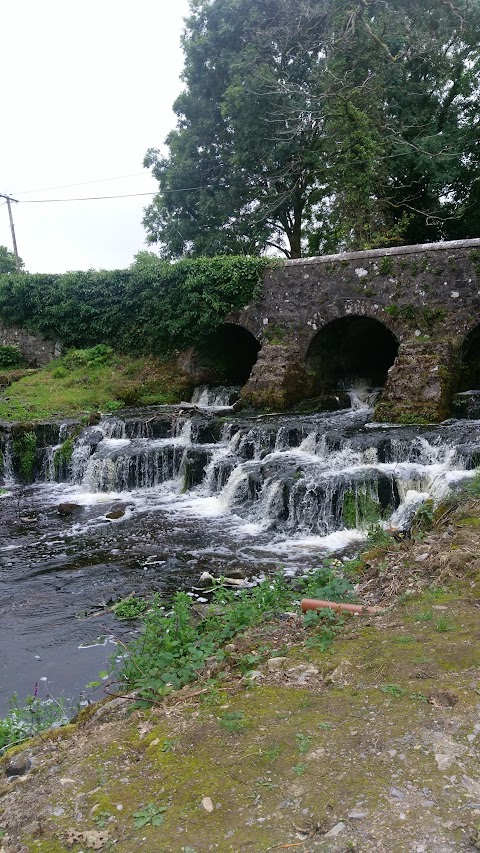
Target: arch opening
pixel 229 354
pixel 470 361
pixel 351 352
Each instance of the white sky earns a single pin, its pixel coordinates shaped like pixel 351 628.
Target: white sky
pixel 87 87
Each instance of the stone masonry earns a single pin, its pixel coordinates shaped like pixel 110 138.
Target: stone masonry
pixel 427 295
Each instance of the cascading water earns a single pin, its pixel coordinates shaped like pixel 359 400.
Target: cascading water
pixel 221 397
pixel 150 499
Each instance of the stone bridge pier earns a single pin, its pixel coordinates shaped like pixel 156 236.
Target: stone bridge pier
pixel 404 319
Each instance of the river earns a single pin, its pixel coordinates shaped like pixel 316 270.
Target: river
pixel 192 489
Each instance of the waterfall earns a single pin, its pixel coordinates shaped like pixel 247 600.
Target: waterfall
pixel 8 473
pixel 205 397
pixel 310 475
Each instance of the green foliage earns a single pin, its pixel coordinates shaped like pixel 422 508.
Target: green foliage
pixel 444 624
pixel 7 261
pixel 26 719
pixel 150 815
pixel 232 721
pixel 98 383
pixel 360 509
pixel 386 265
pixel 153 308
pixel 10 356
pixel 24 447
pixel 316 126
pixel 173 651
pixel 130 608
pixel 63 456
pixel 393 690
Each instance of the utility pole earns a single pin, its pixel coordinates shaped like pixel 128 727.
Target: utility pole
pixel 9 200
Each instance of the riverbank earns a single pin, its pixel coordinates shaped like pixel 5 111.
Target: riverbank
pixel 369 745
pixel 89 380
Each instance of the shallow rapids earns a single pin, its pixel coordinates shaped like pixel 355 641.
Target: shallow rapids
pixel 159 496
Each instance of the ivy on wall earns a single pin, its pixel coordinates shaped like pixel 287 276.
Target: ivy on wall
pixel 156 308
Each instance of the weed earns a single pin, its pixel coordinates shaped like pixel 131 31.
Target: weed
pixel 303 742
pixel 168 745
pixel 404 640
pixel 299 769
pixel 443 624
pixel 420 697
pixel 326 726
pixel 10 356
pixel 386 265
pixel 272 752
pixel 424 616
pixel 101 819
pixel 171 651
pixel 130 608
pixel 233 721
pixel 152 815
pixel 393 690
pixel 33 716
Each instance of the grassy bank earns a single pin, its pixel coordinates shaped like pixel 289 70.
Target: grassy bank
pixel 95 379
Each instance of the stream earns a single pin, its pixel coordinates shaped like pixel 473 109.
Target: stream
pixel 152 498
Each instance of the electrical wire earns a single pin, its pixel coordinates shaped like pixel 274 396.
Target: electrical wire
pixel 126 195
pixel 84 198
pixel 82 183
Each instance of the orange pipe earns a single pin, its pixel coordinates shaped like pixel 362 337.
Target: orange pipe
pixel 317 604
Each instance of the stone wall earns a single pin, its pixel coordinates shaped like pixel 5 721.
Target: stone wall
pixel 35 350
pixel 427 295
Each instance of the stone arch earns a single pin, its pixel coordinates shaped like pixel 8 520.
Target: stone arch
pixel 352 348
pixel 470 360
pixel 229 354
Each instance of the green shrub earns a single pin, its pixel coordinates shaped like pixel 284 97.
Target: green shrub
pixel 156 309
pixel 10 357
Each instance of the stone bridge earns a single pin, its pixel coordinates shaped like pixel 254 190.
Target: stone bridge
pixel 406 319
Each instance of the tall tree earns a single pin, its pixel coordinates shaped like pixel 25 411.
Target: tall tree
pixel 238 177
pixel 321 124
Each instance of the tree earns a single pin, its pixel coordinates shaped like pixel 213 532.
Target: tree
pixel 7 261
pixel 237 178
pixel 320 125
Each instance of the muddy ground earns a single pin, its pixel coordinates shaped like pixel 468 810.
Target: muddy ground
pixel 372 745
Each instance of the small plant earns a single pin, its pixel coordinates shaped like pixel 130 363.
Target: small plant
pixel 424 616
pixel 420 697
pixel 151 815
pixel 393 690
pixel 272 752
pixel 168 745
pixel 386 265
pixel 26 719
pixel 101 819
pixel 233 721
pixel 299 769
pixel 303 742
pixel 444 624
pixel 130 608
pixel 24 447
pixel 404 640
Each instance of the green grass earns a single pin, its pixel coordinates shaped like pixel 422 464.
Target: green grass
pixel 96 379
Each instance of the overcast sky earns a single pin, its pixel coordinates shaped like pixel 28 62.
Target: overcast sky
pixel 86 89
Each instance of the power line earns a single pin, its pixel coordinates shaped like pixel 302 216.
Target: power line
pixel 83 198
pixel 126 195
pixel 83 183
